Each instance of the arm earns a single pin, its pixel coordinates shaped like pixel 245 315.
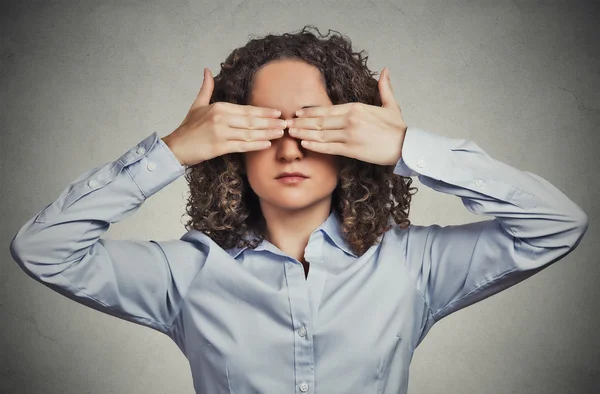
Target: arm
pixel 133 280
pixel 455 266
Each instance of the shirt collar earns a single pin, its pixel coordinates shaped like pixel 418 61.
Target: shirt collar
pixel 331 227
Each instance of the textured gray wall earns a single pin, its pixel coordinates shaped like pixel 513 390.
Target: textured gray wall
pixel 82 82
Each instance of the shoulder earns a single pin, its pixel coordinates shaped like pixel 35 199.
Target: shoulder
pixel 412 234
pixel 191 251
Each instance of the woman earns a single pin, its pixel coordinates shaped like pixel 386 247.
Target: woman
pixel 316 283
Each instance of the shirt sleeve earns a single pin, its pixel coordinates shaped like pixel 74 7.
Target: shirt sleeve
pixel 454 266
pixel 130 279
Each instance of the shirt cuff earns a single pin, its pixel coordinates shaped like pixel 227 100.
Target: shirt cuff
pixel 152 165
pixel 423 153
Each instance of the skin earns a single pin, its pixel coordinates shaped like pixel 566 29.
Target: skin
pixel 292 211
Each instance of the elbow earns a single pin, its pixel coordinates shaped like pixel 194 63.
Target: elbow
pixel 17 253
pixel 580 225
pixel 21 253
pixel 584 223
pixel 30 260
pixel 23 246
pixel 24 252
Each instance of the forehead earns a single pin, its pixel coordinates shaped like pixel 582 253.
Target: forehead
pixel 288 85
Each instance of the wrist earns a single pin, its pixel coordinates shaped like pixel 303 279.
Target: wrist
pixel 172 147
pixel 402 137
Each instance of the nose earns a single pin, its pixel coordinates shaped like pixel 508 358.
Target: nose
pixel 288 147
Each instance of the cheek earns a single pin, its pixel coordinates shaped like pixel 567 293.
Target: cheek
pixel 253 164
pixel 333 164
pixel 329 170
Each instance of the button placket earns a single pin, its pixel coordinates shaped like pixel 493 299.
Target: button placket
pixel 300 302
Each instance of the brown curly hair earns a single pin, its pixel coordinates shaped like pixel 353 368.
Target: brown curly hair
pixel 222 204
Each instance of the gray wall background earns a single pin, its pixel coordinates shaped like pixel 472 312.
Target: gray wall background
pixel 83 81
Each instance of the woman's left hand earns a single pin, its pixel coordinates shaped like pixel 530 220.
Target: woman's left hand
pixel 365 132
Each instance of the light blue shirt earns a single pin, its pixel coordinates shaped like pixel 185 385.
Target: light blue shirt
pixel 249 322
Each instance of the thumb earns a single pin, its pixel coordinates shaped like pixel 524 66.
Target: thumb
pixel 208 85
pixel 385 90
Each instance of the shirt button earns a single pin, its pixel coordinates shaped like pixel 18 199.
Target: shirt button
pixel 302 331
pixel 93 183
pixel 479 183
pixel 304 387
pixel 151 166
pixel 421 162
pixel 141 150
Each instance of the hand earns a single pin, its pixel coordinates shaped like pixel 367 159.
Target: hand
pixel 365 132
pixel 213 130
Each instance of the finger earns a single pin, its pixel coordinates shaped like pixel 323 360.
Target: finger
pixel 206 90
pixel 327 110
pixel 233 134
pixel 329 148
pixel 386 92
pixel 335 135
pixel 247 146
pixel 255 122
pixel 327 122
pixel 251 110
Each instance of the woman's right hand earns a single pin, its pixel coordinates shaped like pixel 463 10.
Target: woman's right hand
pixel 213 130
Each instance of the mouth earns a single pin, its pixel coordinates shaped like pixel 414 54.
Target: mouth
pixel 291 179
pixel 291 175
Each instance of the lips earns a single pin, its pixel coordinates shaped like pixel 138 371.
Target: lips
pixel 291 174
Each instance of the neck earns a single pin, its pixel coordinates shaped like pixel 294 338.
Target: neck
pixel 290 230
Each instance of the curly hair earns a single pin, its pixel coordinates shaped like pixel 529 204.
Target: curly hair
pixel 222 204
